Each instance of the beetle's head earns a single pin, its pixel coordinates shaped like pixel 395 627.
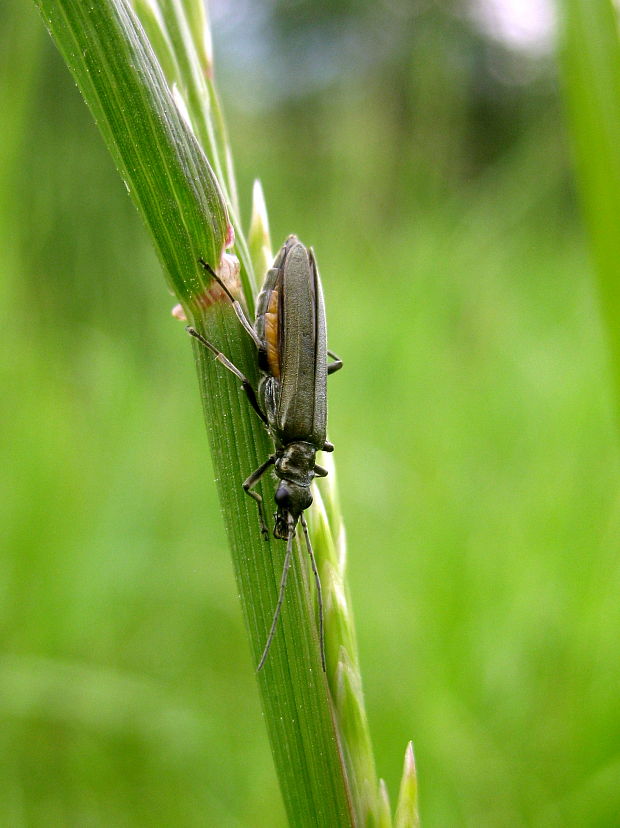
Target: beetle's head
pixel 291 500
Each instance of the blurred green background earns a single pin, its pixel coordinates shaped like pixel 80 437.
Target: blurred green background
pixel 420 147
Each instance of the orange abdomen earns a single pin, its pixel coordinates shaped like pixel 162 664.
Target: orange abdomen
pixel 272 335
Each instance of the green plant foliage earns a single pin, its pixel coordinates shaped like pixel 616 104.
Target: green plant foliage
pixel 477 453
pixel 591 69
pixel 152 135
pixel 164 168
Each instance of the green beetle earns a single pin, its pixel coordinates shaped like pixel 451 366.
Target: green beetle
pixel 291 340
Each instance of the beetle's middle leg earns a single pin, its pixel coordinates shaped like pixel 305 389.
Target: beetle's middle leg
pixel 245 382
pixel 248 486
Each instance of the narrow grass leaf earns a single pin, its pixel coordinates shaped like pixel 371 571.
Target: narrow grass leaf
pixel 165 169
pixel 384 812
pixel 259 239
pixel 407 808
pixel 590 63
pixel 169 177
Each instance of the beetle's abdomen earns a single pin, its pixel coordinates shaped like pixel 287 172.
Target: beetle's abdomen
pixel 272 334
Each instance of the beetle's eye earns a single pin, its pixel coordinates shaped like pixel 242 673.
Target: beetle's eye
pixel 283 497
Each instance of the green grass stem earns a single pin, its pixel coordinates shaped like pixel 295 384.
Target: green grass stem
pixel 145 70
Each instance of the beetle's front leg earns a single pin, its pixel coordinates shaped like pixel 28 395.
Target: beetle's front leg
pixel 334 366
pixel 250 483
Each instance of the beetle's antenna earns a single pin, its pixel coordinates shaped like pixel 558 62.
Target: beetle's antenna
pixel 319 593
pixel 276 615
pixel 214 275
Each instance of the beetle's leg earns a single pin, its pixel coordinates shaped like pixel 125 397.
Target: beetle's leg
pixel 319 594
pixel 334 366
pixel 319 471
pixel 245 383
pixel 247 325
pixel 247 488
pixel 276 614
pixel 328 447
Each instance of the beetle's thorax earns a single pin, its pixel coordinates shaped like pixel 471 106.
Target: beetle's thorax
pixel 295 462
pixel 294 466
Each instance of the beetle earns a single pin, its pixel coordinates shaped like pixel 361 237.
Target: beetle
pixel 290 335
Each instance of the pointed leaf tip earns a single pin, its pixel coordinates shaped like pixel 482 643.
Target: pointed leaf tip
pixel 409 760
pixel 259 221
pixel 407 809
pixel 259 240
pixel 384 812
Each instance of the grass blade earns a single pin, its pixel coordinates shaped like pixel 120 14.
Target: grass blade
pixel 407 808
pixel 155 145
pixel 590 63
pixel 164 168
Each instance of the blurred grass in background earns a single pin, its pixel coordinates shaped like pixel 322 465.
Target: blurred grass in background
pixel 476 453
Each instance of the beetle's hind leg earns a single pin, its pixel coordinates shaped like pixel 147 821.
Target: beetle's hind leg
pixel 247 325
pixel 245 383
pixel 248 489
pixel 334 366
